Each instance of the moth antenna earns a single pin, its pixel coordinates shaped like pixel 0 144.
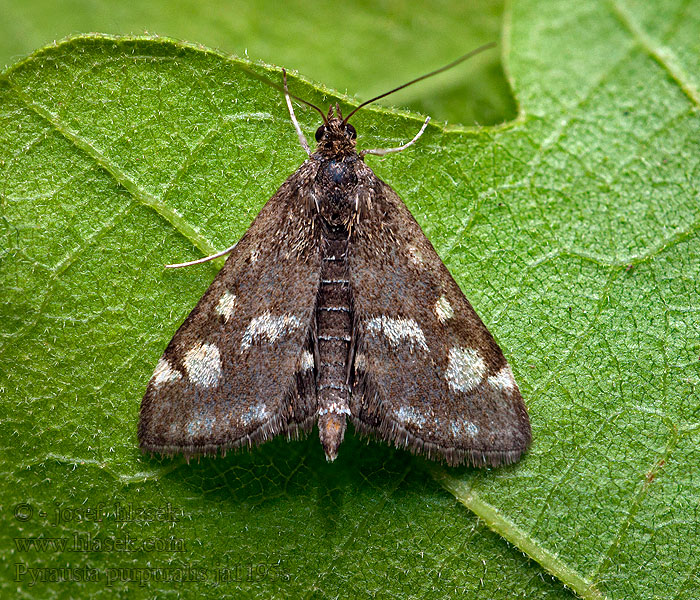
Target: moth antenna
pixel 287 92
pixel 201 260
pixel 383 151
pixel 454 63
pixel 300 133
pixel 280 88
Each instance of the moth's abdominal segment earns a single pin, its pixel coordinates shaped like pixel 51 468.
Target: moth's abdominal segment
pixel 334 327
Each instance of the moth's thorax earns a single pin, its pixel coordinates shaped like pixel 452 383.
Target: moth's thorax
pixel 338 165
pixel 335 189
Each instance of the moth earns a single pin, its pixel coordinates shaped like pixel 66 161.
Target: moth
pixel 334 306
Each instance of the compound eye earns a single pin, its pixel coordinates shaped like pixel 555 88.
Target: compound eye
pixel 320 132
pixel 351 130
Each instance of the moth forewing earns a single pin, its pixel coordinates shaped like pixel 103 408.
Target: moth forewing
pixel 240 368
pixel 428 375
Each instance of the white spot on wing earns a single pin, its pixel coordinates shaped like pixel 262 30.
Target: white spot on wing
pixel 503 381
pixel 397 331
pixel 443 309
pixel 307 361
pixel 164 373
pixel 465 369
pixel 254 255
pixel 407 415
pixel 415 255
pixel 459 428
pixel 201 425
pixel 254 415
pixel 226 305
pixel 203 365
pixel 268 327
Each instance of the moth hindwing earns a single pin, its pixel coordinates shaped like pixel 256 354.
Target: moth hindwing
pixel 335 305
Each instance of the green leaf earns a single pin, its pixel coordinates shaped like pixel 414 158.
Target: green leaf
pixel 573 230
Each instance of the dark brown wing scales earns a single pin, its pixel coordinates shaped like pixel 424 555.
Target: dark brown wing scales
pixel 241 369
pixel 427 374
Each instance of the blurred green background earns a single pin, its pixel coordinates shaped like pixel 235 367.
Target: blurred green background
pixel 360 48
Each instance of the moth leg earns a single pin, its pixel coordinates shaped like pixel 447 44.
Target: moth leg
pixel 202 260
pixel 300 133
pixel 383 151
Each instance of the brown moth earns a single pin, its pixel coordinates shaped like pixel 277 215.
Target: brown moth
pixel 335 306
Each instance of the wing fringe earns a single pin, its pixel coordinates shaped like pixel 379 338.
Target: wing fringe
pixel 380 426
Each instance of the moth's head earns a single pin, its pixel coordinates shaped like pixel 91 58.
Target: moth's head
pixel 336 134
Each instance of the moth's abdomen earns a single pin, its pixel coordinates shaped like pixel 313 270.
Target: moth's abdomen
pixel 334 329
